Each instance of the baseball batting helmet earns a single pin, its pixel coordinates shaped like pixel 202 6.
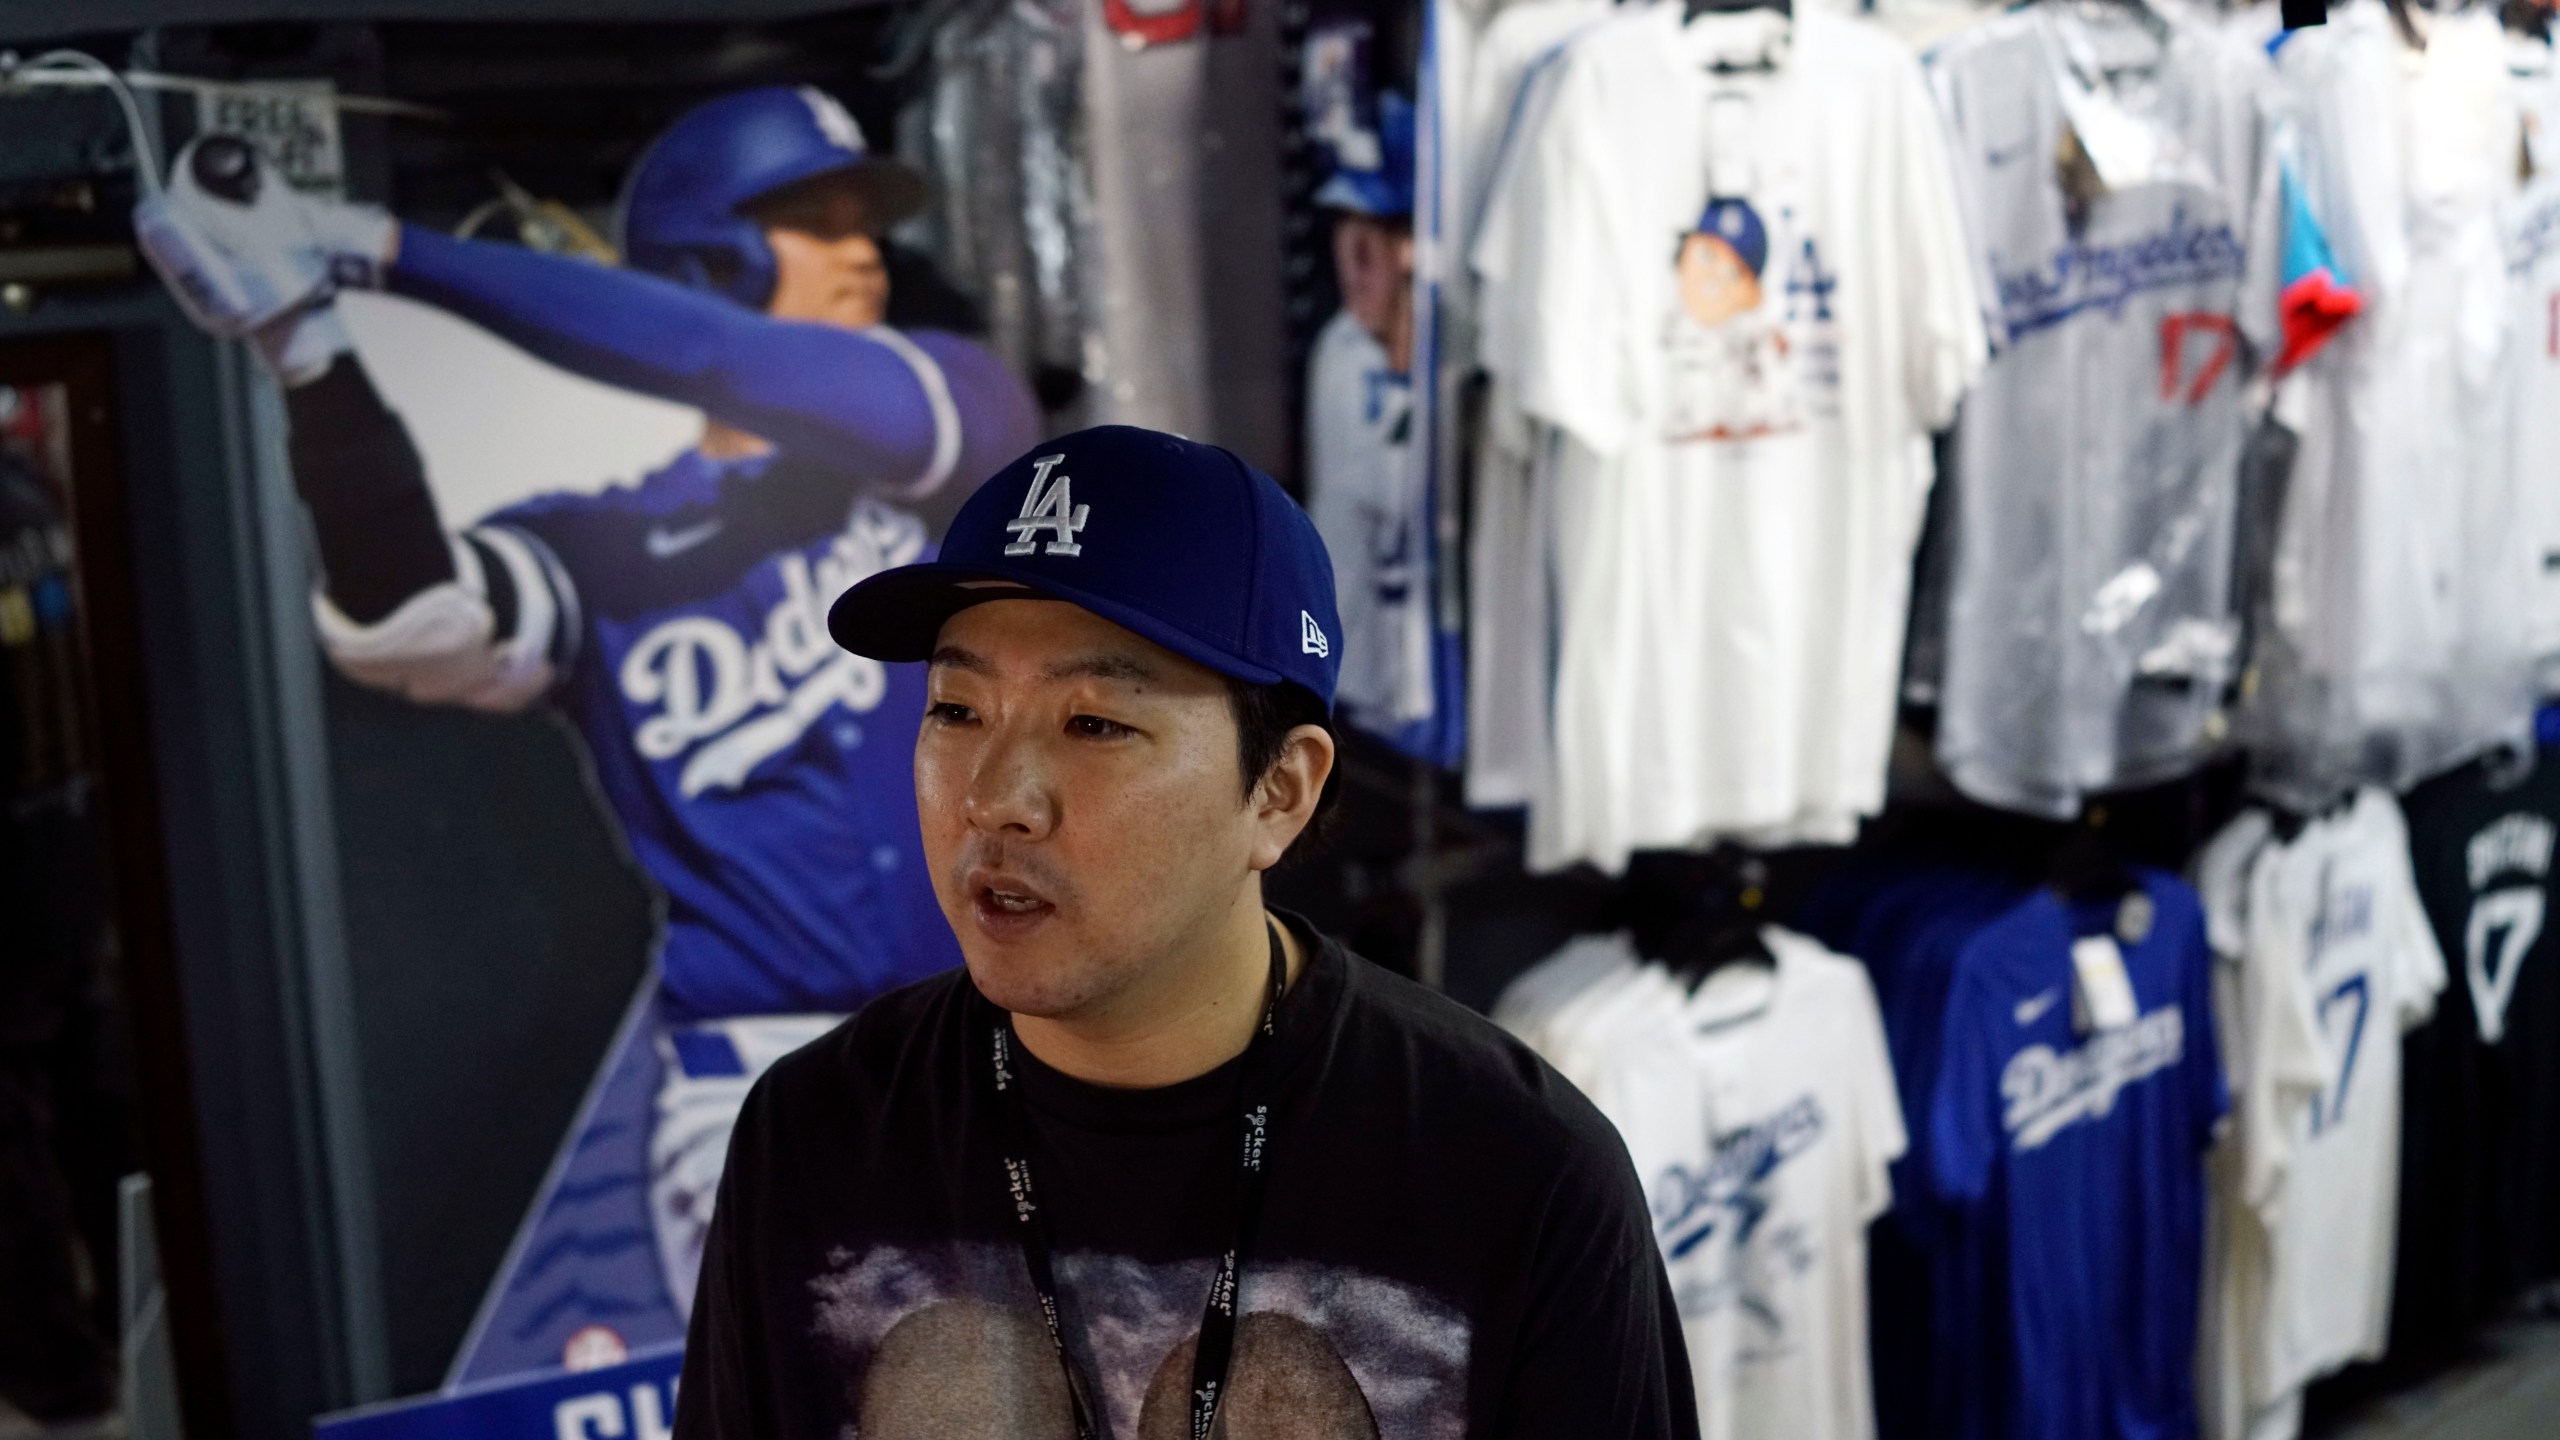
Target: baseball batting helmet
pixel 683 209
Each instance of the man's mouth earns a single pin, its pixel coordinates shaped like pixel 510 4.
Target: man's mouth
pixel 1005 907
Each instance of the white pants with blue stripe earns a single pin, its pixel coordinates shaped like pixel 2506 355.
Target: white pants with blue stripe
pixel 709 1068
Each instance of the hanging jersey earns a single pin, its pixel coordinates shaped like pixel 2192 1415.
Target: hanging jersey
pixel 2402 570
pixel 2335 937
pixel 2480 1192
pixel 1746 294
pixel 2124 235
pixel 762 775
pixel 2533 367
pixel 2090 1147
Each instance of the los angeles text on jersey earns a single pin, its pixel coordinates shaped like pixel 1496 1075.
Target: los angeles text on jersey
pixel 694 682
pixel 2091 275
pixel 2049 1090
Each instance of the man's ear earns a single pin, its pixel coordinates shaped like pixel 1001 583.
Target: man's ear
pixel 1285 801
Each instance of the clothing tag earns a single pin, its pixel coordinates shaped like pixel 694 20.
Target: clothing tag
pixel 2102 995
pixel 2133 918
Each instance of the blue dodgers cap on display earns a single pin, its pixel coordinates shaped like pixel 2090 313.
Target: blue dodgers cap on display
pixel 1384 190
pixel 1180 542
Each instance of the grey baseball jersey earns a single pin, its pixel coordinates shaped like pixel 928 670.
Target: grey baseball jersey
pixel 2119 185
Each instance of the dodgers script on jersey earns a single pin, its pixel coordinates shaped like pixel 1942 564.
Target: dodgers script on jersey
pixel 2094 1145
pixel 2090 628
pixel 762 774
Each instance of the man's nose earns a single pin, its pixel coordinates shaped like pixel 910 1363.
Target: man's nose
pixel 1009 792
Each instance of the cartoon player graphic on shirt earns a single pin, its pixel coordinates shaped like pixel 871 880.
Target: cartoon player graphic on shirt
pixel 1732 367
pixel 760 774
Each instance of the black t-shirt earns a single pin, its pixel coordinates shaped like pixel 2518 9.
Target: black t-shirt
pixel 1453 1242
pixel 2480 1174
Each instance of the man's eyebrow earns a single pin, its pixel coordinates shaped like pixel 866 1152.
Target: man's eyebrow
pixel 1106 665
pixel 952 657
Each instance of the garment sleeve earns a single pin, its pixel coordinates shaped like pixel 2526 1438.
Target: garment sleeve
pixel 1600 1350
pixel 1945 346
pixel 2419 962
pixel 1555 318
pixel 474 620
pixel 872 398
pixel 1964 1126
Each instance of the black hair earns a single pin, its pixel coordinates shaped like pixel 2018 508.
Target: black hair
pixel 1265 714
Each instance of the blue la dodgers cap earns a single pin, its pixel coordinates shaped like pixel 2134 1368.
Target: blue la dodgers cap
pixel 1180 542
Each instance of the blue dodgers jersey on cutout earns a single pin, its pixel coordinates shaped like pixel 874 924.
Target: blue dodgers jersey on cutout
pixel 2093 1148
pixel 763 776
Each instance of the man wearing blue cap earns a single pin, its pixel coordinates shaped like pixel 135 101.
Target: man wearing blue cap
pixel 1363 487
pixel 1159 1161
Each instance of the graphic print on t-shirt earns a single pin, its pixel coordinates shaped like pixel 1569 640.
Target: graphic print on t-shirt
pixel 1741 343
pixel 1320 1352
pixel 2504 922
pixel 1726 1205
pixel 2046 1091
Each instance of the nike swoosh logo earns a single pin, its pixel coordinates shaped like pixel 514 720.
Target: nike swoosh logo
pixel 666 544
pixel 2030 1011
pixel 1997 158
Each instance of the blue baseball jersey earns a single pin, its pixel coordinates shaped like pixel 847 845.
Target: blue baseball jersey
pixel 763 776
pixel 2086 1153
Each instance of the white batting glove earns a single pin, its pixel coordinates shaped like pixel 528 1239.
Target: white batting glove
pixel 241 249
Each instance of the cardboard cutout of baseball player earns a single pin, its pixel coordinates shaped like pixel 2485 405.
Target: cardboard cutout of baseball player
pixel 760 774
pixel 1732 370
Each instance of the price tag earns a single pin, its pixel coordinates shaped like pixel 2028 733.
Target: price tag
pixel 2101 993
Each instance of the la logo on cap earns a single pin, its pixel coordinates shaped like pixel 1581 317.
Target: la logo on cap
pixel 1311 636
pixel 1051 507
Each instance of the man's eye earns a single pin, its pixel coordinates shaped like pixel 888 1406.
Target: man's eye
pixel 949 714
pixel 1094 727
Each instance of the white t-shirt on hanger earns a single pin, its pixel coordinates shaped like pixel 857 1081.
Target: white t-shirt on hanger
pixel 1762 1117
pixel 1758 378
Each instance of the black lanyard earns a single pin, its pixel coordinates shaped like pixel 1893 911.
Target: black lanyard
pixel 1039 1246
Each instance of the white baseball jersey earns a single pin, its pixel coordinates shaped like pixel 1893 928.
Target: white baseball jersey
pixel 2533 278
pixel 2090 627
pixel 2336 958
pixel 1360 485
pixel 1732 580
pixel 2402 574
pixel 1761 1115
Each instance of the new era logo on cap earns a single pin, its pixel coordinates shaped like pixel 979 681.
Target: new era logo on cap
pixel 1196 551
